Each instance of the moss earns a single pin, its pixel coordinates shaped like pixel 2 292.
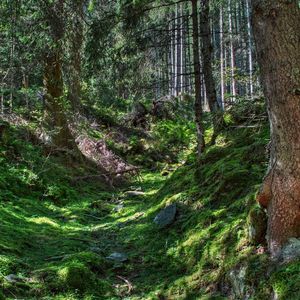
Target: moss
pixel 75 275
pixel 257 225
pixel 61 240
pixel 2 297
pixel 287 289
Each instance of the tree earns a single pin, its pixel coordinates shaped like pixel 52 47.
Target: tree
pixel 75 41
pixel 276 26
pixel 198 98
pixel 207 51
pixel 53 79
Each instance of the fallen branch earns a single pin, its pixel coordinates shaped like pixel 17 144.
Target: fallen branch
pixel 130 287
pixel 136 169
pixel 58 257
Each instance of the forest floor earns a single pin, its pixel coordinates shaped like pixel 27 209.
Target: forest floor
pixel 61 240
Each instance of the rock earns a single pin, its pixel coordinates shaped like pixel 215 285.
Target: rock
pixel 95 249
pixel 291 251
pixel 257 226
pixel 166 216
pixel 134 193
pixel 237 279
pixel 274 296
pixel 12 278
pixel 118 208
pixel 75 275
pixel 118 257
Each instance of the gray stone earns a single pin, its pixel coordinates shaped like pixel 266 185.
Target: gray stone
pixel 166 216
pixel 118 208
pixel 12 278
pixel 257 226
pixel 118 257
pixel 237 280
pixel 95 249
pixel 134 193
pixel 291 251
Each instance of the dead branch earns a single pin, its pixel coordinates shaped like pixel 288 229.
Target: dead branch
pixel 105 175
pixel 129 284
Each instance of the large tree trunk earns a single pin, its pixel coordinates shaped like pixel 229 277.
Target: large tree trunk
pixel 53 79
pixel 54 105
pixel 276 26
pixel 198 98
pixel 75 36
pixel 207 51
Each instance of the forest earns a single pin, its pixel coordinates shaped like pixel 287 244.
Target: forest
pixel 149 149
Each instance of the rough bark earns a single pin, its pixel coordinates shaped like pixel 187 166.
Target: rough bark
pixel 75 35
pixel 54 105
pixel 276 28
pixel 53 79
pixel 210 86
pixel 198 98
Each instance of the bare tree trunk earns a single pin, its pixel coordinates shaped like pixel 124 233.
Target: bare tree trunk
pixel 182 49
pixel 232 57
pixel 276 27
pixel 189 60
pixel 173 56
pixel 250 60
pixel 176 52
pixel 222 58
pixel 198 99
pixel 210 86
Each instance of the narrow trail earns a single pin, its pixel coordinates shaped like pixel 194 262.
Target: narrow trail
pixel 101 224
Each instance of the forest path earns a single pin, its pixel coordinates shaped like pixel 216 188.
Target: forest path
pixel 47 236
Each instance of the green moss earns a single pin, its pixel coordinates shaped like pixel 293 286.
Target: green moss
pixel 285 281
pixel 75 275
pixel 58 234
pixel 257 225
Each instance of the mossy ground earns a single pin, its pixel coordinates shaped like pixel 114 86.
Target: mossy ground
pixel 55 236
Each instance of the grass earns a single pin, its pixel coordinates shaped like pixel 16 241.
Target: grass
pixel 55 236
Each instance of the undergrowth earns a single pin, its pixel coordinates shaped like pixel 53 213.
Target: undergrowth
pixel 56 235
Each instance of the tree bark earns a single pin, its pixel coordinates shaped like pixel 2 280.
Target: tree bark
pixel 232 54
pixel 276 27
pixel 75 36
pixel 54 86
pixel 53 79
pixel 198 98
pixel 210 86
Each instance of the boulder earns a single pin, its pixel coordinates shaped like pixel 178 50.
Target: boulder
pixel 12 278
pixel 118 207
pixel 291 251
pixel 257 226
pixel 166 216
pixel 118 257
pixel 134 193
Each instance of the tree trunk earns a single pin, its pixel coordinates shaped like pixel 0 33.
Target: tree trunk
pixel 250 60
pixel 232 54
pixel 210 86
pixel 222 83
pixel 53 79
pixel 54 86
pixel 276 26
pixel 75 46
pixel 198 99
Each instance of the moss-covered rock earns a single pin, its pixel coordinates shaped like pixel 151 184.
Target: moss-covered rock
pixel 75 275
pixel 257 225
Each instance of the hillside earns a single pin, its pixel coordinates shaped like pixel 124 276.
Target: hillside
pixel 56 236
